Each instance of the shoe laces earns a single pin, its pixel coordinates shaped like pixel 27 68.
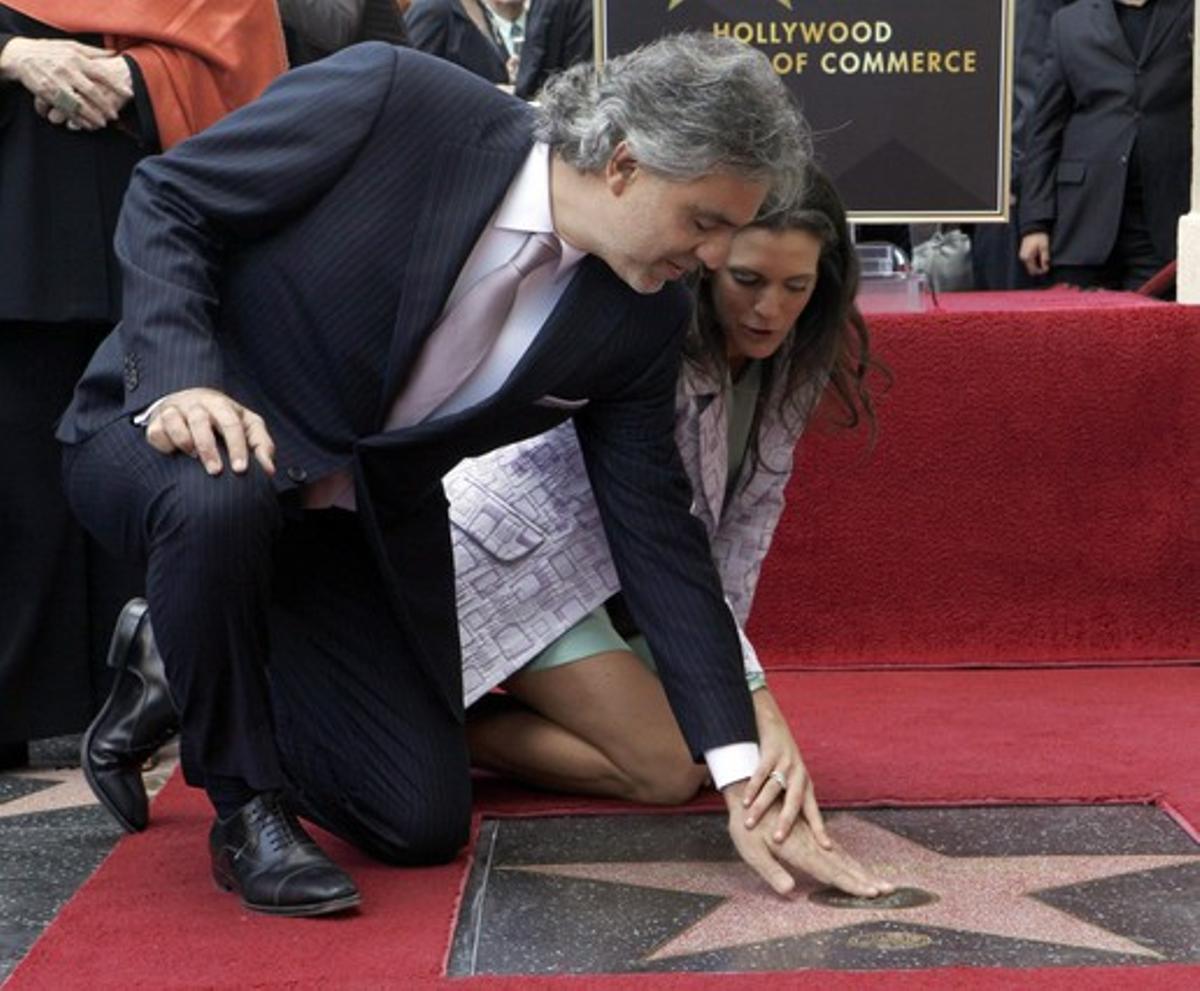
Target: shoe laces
pixel 279 827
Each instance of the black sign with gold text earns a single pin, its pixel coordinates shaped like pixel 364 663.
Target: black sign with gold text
pixel 908 99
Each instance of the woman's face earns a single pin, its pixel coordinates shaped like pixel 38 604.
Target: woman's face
pixel 763 288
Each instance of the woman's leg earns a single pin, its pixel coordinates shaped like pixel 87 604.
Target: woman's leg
pixel 598 726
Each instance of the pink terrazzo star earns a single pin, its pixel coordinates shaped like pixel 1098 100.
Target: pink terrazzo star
pixel 68 791
pixel 989 895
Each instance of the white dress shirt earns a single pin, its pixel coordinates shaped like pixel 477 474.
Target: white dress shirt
pixel 512 33
pixel 525 210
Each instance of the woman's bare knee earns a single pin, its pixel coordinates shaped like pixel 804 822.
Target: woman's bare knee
pixel 667 782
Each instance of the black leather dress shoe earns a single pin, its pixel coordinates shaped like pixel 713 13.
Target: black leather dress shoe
pixel 263 853
pixel 137 718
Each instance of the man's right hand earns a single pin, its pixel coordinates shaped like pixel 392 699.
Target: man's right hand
pixel 191 420
pixel 1035 252
pixel 777 862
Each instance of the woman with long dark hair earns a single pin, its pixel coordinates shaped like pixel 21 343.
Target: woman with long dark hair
pixel 777 340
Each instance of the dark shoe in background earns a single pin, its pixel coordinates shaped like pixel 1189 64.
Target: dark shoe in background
pixel 137 718
pixel 263 853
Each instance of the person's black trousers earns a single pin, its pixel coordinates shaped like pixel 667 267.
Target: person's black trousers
pixel 280 646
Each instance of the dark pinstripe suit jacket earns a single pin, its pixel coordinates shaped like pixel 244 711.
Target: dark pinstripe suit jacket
pixel 297 254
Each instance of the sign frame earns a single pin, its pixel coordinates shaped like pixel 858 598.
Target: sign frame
pixel 1000 210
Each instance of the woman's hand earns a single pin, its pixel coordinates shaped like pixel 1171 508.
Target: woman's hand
pixel 780 760
pixel 72 83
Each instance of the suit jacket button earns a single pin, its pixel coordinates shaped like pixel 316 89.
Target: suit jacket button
pixel 297 474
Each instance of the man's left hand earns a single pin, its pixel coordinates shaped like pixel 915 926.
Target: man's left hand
pixel 780 776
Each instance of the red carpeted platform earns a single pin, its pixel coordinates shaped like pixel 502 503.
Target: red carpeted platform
pixel 1032 498
pixel 151 918
pixel 1032 502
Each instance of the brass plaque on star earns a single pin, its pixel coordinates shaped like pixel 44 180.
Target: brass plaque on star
pixel 898 899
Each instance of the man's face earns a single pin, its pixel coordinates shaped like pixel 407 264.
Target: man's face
pixel 656 230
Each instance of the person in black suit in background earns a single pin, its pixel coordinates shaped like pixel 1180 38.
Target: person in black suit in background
pixel 313 29
pixel 1107 165
pixel 461 32
pixel 248 427
pixel 559 35
pixel 994 260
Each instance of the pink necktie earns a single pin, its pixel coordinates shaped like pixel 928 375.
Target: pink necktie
pixel 459 342
pixel 466 333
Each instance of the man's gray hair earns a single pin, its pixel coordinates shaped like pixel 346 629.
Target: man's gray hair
pixel 689 105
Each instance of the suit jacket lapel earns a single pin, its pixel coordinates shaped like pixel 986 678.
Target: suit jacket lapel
pixel 592 303
pixel 556 352
pixel 484 26
pixel 1105 18
pixel 467 184
pixel 710 456
pixel 1163 25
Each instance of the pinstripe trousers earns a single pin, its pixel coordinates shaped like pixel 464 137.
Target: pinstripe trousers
pixel 280 647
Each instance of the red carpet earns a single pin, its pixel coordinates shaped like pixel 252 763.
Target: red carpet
pixel 150 918
pixel 1032 501
pixel 1032 498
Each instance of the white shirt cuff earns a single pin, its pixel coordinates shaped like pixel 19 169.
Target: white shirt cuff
pixel 732 762
pixel 144 417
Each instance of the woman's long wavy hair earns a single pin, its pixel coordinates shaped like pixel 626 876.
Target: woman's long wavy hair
pixel 826 358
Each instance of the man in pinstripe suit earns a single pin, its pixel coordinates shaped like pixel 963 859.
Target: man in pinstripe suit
pixel 284 273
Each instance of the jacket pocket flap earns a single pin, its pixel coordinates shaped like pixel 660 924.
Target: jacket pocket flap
pixel 491 522
pixel 1071 171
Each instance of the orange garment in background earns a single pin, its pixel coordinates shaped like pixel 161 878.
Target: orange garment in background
pixel 200 59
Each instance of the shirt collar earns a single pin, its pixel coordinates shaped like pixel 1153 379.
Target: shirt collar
pixel 504 26
pixel 526 207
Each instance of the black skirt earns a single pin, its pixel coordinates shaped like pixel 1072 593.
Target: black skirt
pixel 59 592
